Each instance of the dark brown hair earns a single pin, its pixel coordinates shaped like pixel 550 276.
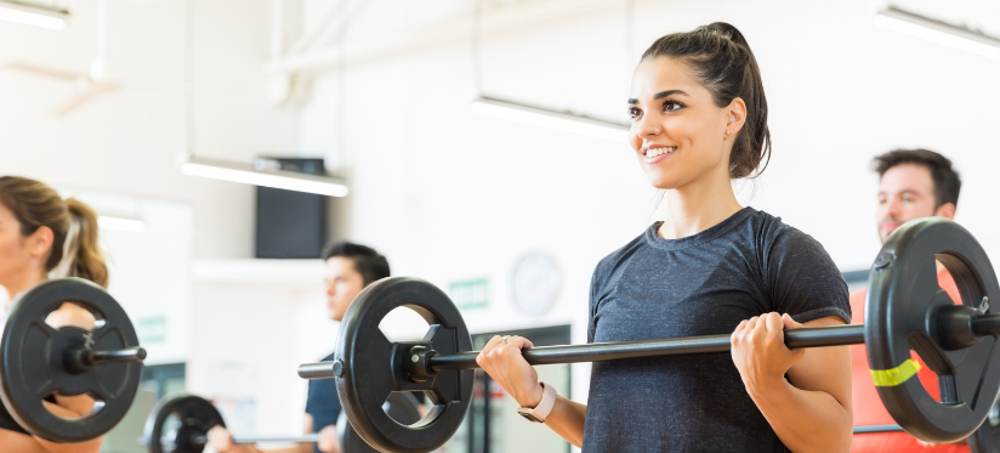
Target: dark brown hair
pixel 369 263
pixel 35 205
pixel 724 64
pixel 947 183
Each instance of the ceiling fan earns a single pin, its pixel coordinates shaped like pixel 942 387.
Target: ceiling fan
pixel 90 84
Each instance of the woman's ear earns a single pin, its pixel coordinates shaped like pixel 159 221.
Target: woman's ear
pixel 40 242
pixel 736 116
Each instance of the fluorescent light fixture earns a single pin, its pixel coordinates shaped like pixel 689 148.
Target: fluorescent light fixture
pixel 278 179
pixel 121 224
pixel 31 13
pixel 940 32
pixel 563 121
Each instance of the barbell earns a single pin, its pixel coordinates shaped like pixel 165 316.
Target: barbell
pixel 905 309
pixel 179 423
pixel 38 361
pixel 986 439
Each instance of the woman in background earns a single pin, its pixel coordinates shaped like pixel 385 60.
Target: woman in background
pixel 43 236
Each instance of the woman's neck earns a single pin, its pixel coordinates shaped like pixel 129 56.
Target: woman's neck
pixel 18 283
pixel 697 207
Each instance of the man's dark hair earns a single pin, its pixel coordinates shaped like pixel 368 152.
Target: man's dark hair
pixel 947 182
pixel 369 263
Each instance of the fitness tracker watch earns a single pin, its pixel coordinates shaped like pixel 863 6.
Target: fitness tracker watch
pixel 539 413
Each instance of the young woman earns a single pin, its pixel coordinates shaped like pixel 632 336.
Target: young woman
pixel 42 235
pixel 699 119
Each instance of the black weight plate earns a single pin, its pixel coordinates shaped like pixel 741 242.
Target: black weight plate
pixel 373 367
pixel 34 365
pixel 179 424
pixel 986 439
pixel 402 407
pixel 901 312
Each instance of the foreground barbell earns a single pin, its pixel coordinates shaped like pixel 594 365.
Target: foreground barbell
pixel 986 439
pixel 905 309
pixel 180 423
pixel 39 361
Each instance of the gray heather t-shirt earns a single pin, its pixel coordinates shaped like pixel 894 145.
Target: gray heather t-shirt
pixel 704 284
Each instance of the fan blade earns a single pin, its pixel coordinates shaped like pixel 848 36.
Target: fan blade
pixel 44 71
pixel 89 93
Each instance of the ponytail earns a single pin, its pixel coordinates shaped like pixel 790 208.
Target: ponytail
pixel 81 253
pixel 74 251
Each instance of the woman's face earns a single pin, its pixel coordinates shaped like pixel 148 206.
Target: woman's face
pixel 678 133
pixel 17 251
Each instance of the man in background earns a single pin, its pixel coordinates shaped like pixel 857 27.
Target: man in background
pixel 349 269
pixel 913 183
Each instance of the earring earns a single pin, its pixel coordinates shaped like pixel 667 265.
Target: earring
pixel 729 132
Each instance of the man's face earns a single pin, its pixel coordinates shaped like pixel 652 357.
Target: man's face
pixel 343 283
pixel 906 192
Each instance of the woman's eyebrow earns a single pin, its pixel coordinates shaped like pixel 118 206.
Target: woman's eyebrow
pixel 660 95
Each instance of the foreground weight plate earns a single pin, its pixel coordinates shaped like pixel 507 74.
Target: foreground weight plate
pixel 903 310
pixel 371 367
pixel 986 439
pixel 179 424
pixel 402 407
pixel 34 366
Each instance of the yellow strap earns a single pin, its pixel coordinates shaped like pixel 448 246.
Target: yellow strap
pixel 895 376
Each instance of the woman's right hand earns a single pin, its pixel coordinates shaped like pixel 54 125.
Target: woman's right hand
pixel 220 440
pixel 501 358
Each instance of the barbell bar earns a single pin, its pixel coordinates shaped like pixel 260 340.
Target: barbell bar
pixel 179 423
pixel 878 429
pixel 905 309
pixel 425 363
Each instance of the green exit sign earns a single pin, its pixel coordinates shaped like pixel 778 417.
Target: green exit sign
pixel 470 294
pixel 151 330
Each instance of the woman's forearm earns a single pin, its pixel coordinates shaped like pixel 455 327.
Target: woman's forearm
pixel 805 421
pixel 75 406
pixel 566 419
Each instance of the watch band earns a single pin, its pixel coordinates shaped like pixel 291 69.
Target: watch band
pixel 539 413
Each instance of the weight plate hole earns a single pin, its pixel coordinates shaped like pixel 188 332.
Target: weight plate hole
pixel 60 412
pixel 966 280
pixel 74 314
pixel 404 324
pixel 410 407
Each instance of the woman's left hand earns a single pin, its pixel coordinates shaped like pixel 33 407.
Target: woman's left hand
pixel 759 351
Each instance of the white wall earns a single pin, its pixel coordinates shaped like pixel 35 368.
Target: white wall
pixel 127 141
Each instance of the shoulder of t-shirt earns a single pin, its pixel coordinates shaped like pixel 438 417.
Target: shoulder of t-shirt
pixel 771 231
pixel 607 266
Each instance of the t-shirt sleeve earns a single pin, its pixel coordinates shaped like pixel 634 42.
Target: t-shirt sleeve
pixel 803 280
pixel 591 327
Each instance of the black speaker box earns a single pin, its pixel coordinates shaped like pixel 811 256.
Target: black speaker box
pixel 291 224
